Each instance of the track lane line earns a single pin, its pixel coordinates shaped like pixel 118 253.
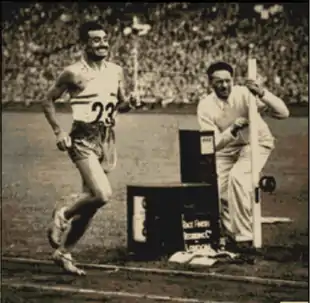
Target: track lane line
pixel 184 273
pixel 102 293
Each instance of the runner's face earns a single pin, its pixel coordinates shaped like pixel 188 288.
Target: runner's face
pixel 97 45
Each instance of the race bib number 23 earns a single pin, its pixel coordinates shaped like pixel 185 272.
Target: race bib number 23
pixel 103 112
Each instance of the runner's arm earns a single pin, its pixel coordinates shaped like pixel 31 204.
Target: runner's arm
pixel 124 104
pixel 54 93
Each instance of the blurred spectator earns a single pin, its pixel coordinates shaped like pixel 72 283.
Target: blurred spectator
pixel 39 39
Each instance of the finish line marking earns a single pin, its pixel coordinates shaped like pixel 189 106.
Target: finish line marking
pixel 102 293
pixel 184 273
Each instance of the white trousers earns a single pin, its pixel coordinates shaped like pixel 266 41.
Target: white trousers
pixel 235 186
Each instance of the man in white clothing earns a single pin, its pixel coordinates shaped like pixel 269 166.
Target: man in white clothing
pixel 226 112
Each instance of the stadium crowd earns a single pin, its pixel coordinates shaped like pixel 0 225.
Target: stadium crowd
pixel 39 39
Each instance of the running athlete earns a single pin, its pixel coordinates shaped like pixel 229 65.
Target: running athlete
pixel 225 111
pixel 96 90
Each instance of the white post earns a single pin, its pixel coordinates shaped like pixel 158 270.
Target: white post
pixel 135 70
pixel 253 114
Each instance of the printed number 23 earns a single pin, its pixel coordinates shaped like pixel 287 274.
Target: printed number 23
pixel 109 108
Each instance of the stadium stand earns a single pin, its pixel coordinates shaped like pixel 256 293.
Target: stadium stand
pixel 38 39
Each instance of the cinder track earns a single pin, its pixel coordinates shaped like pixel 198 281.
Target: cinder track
pixel 38 280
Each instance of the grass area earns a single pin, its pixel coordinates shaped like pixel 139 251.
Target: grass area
pixel 35 176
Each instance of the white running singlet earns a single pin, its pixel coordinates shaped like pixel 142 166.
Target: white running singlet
pixel 97 99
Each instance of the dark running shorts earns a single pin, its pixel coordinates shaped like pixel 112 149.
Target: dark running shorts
pixel 93 139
